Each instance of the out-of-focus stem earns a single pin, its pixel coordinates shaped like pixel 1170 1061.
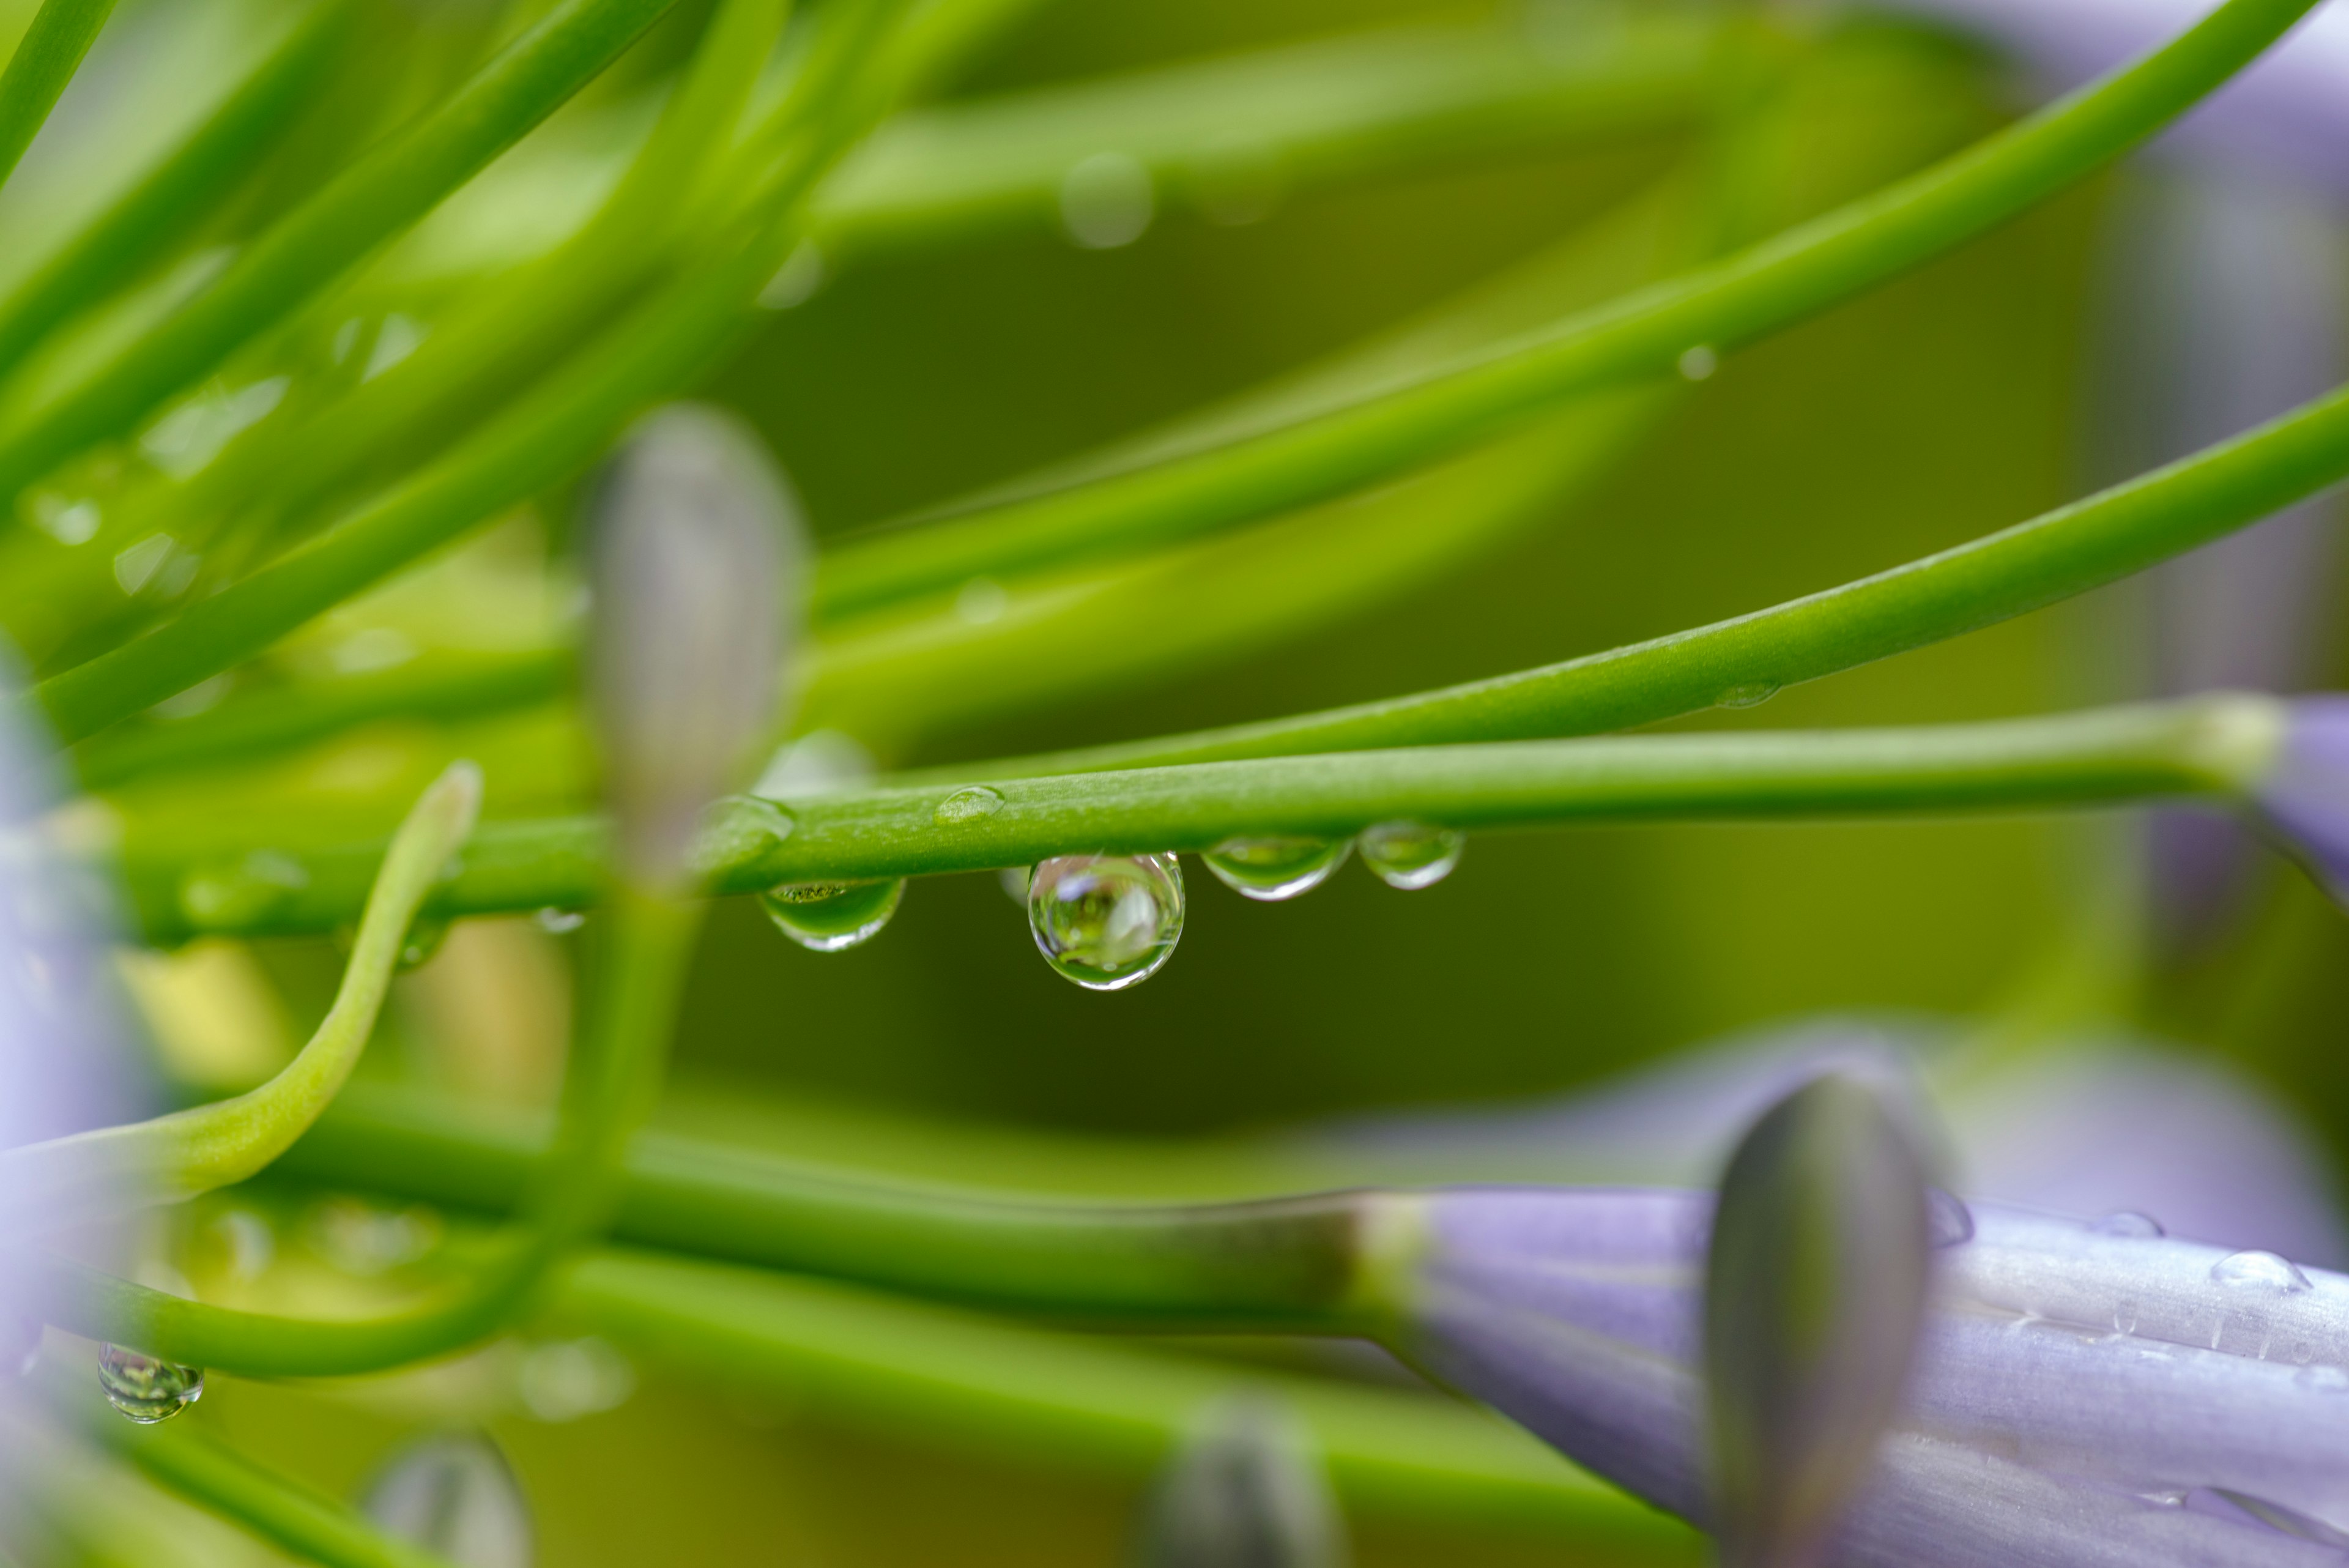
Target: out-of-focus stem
pixel 2213 747
pixel 45 59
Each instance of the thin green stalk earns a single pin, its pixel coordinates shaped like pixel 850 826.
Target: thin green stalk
pixel 567 1200
pixel 127 237
pixel 1085 1404
pixel 276 1507
pixel 1719 307
pixel 2212 747
pixel 110 1170
pixel 2099 540
pixel 545 436
pixel 45 59
pixel 374 199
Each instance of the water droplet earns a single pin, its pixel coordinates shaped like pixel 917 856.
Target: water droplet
pixel 1948 1222
pixel 560 922
pixel 144 1388
pixel 1106 200
pixel 1271 869
pixel 454 1495
pixel 972 803
pixel 2128 1223
pixel 242 896
pixel 2260 1272
pixel 2125 1316
pixel 1747 695
pixel 425 935
pixel 1410 855
pixel 981 602
pixel 1106 921
pixel 69 523
pixel 832 916
pixel 742 833
pixel 1699 362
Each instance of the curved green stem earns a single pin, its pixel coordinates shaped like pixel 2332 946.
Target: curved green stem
pixel 568 1199
pixel 126 236
pixel 374 198
pixel 171 1158
pixel 2212 747
pixel 1745 296
pixel 45 59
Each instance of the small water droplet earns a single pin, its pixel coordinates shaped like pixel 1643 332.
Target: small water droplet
pixel 425 935
pixel 1106 200
pixel 1948 1222
pixel 981 602
pixel 1270 870
pixel 1747 695
pixel 454 1495
pixel 145 1388
pixel 560 922
pixel 1106 921
pixel 2260 1272
pixel 972 803
pixel 1410 855
pixel 1699 362
pixel 832 916
pixel 2128 1223
pixel 2125 1316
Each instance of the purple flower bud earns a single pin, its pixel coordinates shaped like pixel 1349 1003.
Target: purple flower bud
pixel 694 541
pixel 2082 1393
pixel 1815 1283
pixel 2305 795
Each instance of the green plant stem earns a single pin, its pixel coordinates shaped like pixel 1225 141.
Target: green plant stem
pixel 2099 540
pixel 116 1169
pixel 1745 296
pixel 2212 747
pixel 276 1507
pixel 45 59
pixel 126 236
pixel 869 1361
pixel 546 436
pixel 375 197
pixel 568 1197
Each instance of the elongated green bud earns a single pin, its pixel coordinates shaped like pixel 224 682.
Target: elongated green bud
pixel 1815 1289
pixel 695 541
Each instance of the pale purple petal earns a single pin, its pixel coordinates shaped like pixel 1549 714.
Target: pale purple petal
pixel 2305 798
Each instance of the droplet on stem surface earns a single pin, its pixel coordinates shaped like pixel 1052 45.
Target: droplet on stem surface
pixel 425 935
pixel 1273 868
pixel 1698 362
pixel 2263 1272
pixel 146 1389
pixel 556 921
pixel 1411 854
pixel 1106 200
pixel 972 803
pixel 1747 695
pixel 832 916
pixel 2128 1223
pixel 1106 921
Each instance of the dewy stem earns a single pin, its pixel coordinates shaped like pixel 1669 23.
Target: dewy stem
pixel 45 59
pixel 2212 747
pixel 1749 294
pixel 375 197
pixel 110 1170
pixel 566 1198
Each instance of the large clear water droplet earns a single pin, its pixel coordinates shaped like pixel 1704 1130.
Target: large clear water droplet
pixel 454 1495
pixel 832 916
pixel 1948 1222
pixel 972 803
pixel 2262 1272
pixel 1411 854
pixel 2130 1223
pixel 1270 870
pixel 145 1388
pixel 1747 695
pixel 1106 921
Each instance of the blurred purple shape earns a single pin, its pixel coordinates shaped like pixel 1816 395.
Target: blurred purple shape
pixel 2084 1128
pixel 2082 1395
pixel 2289 112
pixel 2305 799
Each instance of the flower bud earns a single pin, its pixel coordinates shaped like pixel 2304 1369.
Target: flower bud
pixel 1245 1490
pixel 2305 795
pixel 696 551
pixel 1815 1288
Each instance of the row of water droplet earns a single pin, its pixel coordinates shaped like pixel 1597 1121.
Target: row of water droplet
pixel 1110 921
